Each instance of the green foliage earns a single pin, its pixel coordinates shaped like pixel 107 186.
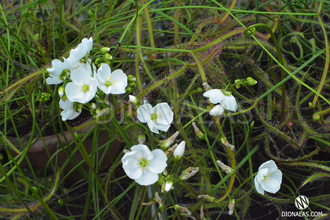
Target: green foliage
pixel 168 49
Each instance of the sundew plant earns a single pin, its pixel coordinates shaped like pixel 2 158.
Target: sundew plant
pixel 156 110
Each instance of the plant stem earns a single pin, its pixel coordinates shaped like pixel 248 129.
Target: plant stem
pixel 250 31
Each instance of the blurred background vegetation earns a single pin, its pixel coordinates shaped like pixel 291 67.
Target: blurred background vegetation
pixel 71 170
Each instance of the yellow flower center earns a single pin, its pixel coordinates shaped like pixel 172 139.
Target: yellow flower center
pixel 109 82
pixel 154 117
pixel 143 163
pixel 85 88
pixel 267 178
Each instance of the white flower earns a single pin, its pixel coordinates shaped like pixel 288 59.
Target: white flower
pixel 56 71
pixel 144 165
pixel 158 118
pixel 226 100
pixel 71 63
pixel 82 88
pixel 111 82
pixel 168 186
pixel 217 110
pixel 80 51
pixel 179 150
pixel 68 112
pixel 269 178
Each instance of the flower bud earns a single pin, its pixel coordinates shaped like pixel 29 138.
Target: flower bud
pixel 158 200
pixel 128 89
pixel 161 180
pixel 206 86
pixel 93 106
pixel 107 56
pixel 171 150
pixel 168 142
pixel 217 110
pixel 178 153
pixel 64 98
pixel 129 113
pixel 231 206
pixel 98 61
pixel 132 84
pixel 207 197
pixel 104 50
pixel 225 168
pixel 141 139
pixel 60 91
pixel 198 132
pixel 168 185
pixel 187 173
pixel 225 142
pixel 134 100
pixel 131 78
pixel 251 81
pixel 34 190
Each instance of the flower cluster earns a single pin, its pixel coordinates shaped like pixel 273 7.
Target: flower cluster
pixel 83 81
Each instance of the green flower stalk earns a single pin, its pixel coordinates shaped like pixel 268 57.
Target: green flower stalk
pixel 251 31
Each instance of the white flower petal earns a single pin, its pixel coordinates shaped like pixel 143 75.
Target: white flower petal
pixel 153 127
pixel 68 112
pixel 104 72
pixel 144 113
pixel 164 113
pixel 270 165
pixel 53 81
pixel 277 174
pixel 217 110
pixel 258 186
pixel 72 92
pixel 180 149
pixel 168 186
pixel 158 163
pixel 270 185
pixel 56 70
pixel 66 105
pixel 132 168
pixel 133 154
pixel 146 153
pixel 119 76
pixel 74 114
pixel 81 50
pixel 215 95
pixel 147 178
pixel 157 126
pixel 80 76
pixel 229 103
pixel 260 177
pixel 118 88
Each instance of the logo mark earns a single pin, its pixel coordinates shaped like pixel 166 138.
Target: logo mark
pixel 301 202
